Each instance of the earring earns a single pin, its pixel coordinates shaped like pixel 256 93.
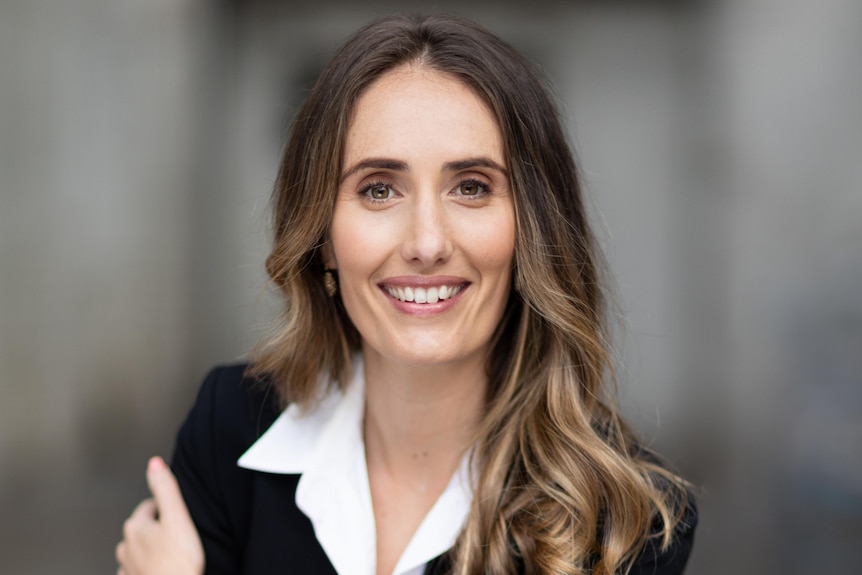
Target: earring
pixel 330 284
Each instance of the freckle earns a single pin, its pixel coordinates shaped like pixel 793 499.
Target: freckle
pixel 424 454
pixel 415 456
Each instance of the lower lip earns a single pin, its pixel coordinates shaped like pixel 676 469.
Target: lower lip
pixel 424 309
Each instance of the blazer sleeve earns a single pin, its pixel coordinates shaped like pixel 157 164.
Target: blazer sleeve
pixel 229 414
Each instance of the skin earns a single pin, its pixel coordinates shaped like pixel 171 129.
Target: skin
pixel 424 201
pixel 168 545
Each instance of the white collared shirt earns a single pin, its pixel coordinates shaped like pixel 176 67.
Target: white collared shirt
pixel 326 448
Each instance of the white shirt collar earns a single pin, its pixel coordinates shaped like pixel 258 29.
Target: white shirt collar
pixel 326 448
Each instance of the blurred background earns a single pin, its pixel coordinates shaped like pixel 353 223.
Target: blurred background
pixel 721 143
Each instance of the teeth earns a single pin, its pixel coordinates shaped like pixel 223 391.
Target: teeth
pixel 422 295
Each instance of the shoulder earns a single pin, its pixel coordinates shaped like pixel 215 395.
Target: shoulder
pixel 231 411
pixel 653 560
pixel 232 383
pixel 234 407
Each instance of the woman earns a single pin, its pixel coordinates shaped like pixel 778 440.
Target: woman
pixel 441 378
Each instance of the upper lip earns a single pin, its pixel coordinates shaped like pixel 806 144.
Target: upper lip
pixel 423 281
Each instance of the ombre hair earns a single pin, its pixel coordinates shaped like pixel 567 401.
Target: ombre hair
pixel 562 485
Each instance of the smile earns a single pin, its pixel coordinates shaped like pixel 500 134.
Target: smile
pixel 423 295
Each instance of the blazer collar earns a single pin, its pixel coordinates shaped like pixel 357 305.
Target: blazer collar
pixel 326 448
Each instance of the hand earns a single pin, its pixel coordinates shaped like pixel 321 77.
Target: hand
pixel 159 537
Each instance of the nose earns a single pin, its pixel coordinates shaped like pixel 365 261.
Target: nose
pixel 427 239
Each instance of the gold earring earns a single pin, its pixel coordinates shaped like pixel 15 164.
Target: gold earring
pixel 330 284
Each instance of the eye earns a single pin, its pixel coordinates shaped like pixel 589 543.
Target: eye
pixel 472 188
pixel 377 192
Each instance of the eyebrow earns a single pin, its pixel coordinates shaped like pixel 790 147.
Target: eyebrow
pixel 480 162
pixel 399 166
pixel 375 163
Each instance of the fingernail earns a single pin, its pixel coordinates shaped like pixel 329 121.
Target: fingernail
pixel 155 464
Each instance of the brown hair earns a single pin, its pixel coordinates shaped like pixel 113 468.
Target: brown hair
pixel 562 486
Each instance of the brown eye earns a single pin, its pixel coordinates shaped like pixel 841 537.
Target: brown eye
pixel 472 188
pixel 379 191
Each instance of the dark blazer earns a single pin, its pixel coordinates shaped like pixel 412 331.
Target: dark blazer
pixel 248 520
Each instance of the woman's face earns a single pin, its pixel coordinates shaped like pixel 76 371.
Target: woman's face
pixel 423 231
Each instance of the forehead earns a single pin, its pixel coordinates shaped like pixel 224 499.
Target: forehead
pixel 407 107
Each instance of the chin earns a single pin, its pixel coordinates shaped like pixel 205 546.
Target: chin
pixel 422 354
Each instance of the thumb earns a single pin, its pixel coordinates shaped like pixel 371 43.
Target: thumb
pixel 166 491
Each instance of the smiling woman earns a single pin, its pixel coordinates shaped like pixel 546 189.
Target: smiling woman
pixel 442 372
pixel 423 231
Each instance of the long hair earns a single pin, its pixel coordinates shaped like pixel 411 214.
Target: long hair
pixel 561 485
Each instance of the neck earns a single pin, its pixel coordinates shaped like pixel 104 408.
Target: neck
pixel 420 420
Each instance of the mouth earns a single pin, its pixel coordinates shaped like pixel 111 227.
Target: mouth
pixel 423 295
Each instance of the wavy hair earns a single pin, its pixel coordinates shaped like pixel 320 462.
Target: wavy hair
pixel 562 485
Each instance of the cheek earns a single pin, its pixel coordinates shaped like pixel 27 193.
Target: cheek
pixel 502 251
pixel 492 242
pixel 357 244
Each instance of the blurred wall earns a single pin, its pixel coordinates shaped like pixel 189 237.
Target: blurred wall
pixel 721 143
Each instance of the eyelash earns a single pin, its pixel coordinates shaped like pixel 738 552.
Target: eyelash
pixel 365 191
pixel 484 190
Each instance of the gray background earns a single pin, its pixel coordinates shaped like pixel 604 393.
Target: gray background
pixel 721 143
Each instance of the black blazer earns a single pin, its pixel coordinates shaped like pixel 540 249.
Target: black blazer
pixel 248 520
